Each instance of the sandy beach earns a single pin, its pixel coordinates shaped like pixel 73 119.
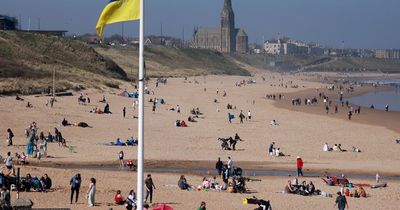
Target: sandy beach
pixel 302 131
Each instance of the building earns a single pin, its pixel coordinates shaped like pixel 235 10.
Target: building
pixel 226 38
pixel 8 23
pixel 273 47
pixel 387 54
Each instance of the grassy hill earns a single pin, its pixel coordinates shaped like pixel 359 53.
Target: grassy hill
pixel 170 62
pixel 27 62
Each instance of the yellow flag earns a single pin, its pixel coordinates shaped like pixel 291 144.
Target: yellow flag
pixel 118 11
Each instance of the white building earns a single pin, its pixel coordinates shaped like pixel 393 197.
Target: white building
pixel 273 47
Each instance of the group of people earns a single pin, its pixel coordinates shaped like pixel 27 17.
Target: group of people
pixel 230 143
pixel 293 187
pixel 129 201
pixel 275 151
pixel 29 183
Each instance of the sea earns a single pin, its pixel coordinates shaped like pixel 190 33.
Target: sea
pixel 379 99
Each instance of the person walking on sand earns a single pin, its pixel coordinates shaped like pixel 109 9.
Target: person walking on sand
pixel 75 183
pixel 124 112
pixel 249 115
pixel 349 115
pixel 341 201
pixel 299 164
pixel 121 159
pixel 241 116
pixel 387 107
pixel 91 192
pixel 149 188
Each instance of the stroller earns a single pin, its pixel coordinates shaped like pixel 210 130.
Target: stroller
pixel 262 204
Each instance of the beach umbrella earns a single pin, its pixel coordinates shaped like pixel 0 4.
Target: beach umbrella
pixel 163 207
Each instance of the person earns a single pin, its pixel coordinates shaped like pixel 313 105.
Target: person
pixel 341 201
pixel 182 183
pixel 271 149
pixel 326 148
pixel 178 109
pixel 363 194
pixel 219 166
pixel 377 177
pixel 273 123
pixel 288 188
pixel 249 115
pixel 299 166
pixel 75 183
pixel 278 152
pixel 387 107
pixel 241 116
pixel 202 206
pixel 230 166
pixel 124 112
pixel 5 198
pixel 10 136
pixel 347 192
pixel 9 162
pixel 310 189
pixel 91 193
pixel 205 184
pixel 47 182
pixel 131 200
pixel 235 140
pixel 149 188
pixel 118 200
pixel 350 114
pixel 121 159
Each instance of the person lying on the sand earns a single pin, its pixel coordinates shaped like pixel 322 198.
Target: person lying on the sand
pixel 191 119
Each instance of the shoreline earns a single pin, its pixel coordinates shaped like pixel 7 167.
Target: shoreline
pixel 368 116
pixel 205 167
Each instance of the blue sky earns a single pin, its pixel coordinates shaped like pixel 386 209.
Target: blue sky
pixel 359 23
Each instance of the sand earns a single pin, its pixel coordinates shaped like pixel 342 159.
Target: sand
pixel 299 133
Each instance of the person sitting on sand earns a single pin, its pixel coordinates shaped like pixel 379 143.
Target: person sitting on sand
pixel 363 194
pixel 274 123
pixel 289 188
pixel 103 100
pixel 335 148
pixel 278 152
pixel 28 105
pixel 107 109
pixel 182 183
pixel 355 149
pixel 191 119
pixel 183 124
pixel 65 122
pixel 347 193
pixel 310 188
pixel 206 184
pixel 118 200
pixel 326 148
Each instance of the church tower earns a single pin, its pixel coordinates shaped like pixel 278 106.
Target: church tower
pixel 228 38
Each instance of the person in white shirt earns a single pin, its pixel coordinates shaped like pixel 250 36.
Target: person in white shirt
pixel 326 148
pixel 249 115
pixel 230 165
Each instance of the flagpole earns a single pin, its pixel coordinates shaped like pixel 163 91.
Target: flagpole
pixel 140 172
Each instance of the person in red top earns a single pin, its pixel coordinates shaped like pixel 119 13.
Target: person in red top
pixel 299 166
pixel 118 200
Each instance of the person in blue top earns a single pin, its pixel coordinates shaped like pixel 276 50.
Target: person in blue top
pixel 75 183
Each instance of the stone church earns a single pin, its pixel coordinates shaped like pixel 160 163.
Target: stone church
pixel 227 38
